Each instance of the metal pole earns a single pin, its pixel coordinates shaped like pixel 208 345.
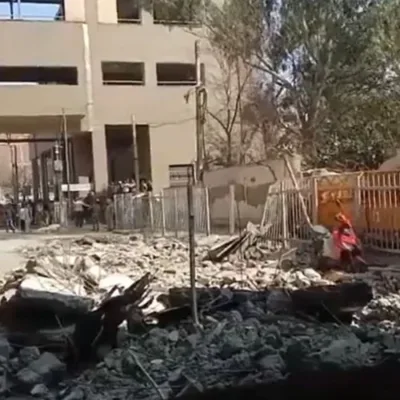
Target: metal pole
pixel 56 169
pixel 35 172
pixel 11 9
pixel 192 260
pixel 67 163
pixel 135 152
pixel 239 84
pixel 199 144
pixel 297 190
pixel 12 172
pixel 16 172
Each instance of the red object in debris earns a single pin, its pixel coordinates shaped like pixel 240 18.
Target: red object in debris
pixel 346 240
pixel 344 236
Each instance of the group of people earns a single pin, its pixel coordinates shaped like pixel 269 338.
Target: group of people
pixel 130 186
pixel 89 210
pixel 23 214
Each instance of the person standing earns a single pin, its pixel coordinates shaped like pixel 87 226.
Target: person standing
pixel 23 211
pixel 96 215
pixel 9 217
pixel 79 212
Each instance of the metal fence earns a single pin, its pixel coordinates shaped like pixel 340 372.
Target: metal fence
pixel 166 212
pixel 283 217
pixel 371 199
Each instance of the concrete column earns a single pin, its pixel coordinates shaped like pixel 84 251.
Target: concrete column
pixel 74 10
pixel 44 176
pixel 35 178
pixel 100 162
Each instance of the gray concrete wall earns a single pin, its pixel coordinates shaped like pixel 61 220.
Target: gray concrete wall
pixel 251 185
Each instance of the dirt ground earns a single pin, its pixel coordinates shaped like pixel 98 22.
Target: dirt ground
pixel 11 243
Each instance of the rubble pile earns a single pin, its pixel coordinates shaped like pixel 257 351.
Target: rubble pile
pixel 120 305
pixel 109 260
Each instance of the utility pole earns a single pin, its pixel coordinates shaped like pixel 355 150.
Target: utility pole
pixel 199 117
pixel 14 164
pixel 239 88
pixel 58 171
pixel 66 155
pixel 135 151
pixel 16 170
pixel 192 259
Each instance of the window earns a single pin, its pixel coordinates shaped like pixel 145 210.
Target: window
pixel 39 75
pixel 34 10
pixel 175 74
pixel 180 12
pixel 128 11
pixel 123 73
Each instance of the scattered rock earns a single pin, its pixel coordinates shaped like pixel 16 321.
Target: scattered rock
pixel 46 369
pixel 258 337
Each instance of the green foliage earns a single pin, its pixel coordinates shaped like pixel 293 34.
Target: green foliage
pixel 331 59
pixel 333 66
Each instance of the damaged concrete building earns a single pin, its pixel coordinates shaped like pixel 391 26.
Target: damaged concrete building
pixel 94 67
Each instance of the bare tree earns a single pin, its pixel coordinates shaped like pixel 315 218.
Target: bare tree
pixel 228 137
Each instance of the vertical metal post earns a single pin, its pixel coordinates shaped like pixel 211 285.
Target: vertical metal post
pixel 192 260
pixel 16 172
pixel 11 3
pixel 199 127
pixel 232 210
pixel 67 163
pixel 207 206
pixel 297 189
pixel 176 219
pixel 162 199
pixel 314 185
pixel 239 94
pixel 13 174
pixel 135 151
pixel 151 210
pixel 36 174
pixel 285 230
pixel 57 170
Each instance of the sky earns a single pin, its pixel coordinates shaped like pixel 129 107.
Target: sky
pixel 28 11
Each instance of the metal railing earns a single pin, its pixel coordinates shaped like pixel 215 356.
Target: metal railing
pixel 166 212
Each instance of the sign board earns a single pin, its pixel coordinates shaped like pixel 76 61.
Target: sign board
pixel 77 187
pixel 58 166
pixel 181 174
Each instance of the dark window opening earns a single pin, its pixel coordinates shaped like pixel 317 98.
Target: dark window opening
pixel 129 11
pixel 176 74
pixel 179 12
pixel 119 141
pixel 34 10
pixel 123 73
pixel 39 75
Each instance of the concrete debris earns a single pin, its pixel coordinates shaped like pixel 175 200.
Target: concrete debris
pixel 127 300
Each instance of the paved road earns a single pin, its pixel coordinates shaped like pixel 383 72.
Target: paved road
pixel 11 243
pixel 10 257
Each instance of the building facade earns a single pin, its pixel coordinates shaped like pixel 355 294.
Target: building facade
pixel 94 70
